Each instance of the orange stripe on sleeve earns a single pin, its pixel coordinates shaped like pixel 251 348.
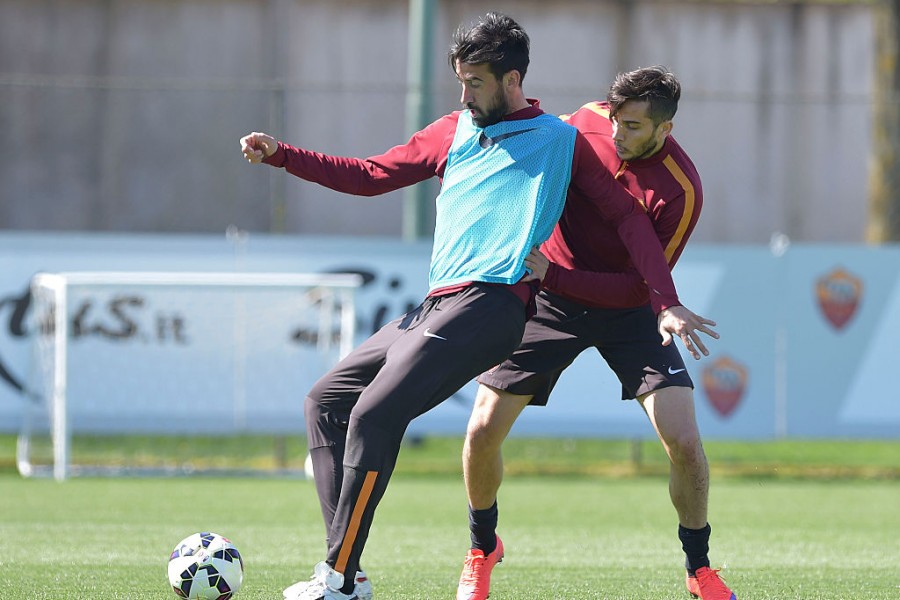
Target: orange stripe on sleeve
pixel 595 106
pixel 685 221
pixel 591 106
pixel 353 529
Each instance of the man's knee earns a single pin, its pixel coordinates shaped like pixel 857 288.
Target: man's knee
pixel 672 412
pixel 480 437
pixel 492 417
pixel 687 447
pixel 372 445
pixel 324 425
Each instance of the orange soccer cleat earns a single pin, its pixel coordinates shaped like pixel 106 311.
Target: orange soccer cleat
pixel 475 580
pixel 707 585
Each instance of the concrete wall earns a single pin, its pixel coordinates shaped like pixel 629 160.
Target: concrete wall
pixel 124 115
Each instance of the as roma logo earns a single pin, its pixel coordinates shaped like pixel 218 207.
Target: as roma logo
pixel 724 381
pixel 838 294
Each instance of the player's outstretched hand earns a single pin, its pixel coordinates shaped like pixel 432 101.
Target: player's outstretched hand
pixel 678 320
pixel 257 146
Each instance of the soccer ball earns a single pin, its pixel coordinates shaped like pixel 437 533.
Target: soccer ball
pixel 205 566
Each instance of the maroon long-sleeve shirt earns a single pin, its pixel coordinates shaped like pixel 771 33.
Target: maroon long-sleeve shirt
pixel 597 195
pixel 590 264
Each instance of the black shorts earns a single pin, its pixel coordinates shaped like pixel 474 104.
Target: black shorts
pixel 627 339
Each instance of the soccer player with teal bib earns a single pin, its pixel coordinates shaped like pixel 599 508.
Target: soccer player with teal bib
pixel 505 168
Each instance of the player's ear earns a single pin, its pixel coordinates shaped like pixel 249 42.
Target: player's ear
pixel 666 127
pixel 511 79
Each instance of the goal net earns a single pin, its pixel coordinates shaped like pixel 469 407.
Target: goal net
pixel 189 355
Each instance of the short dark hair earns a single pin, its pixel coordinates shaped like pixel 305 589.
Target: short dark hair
pixel 495 40
pixel 657 85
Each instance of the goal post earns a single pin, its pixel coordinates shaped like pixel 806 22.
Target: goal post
pixel 183 353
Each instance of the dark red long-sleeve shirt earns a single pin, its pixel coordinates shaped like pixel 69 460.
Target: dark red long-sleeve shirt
pixel 598 196
pixel 590 264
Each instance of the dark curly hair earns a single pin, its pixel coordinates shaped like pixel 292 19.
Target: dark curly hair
pixel 657 85
pixel 495 40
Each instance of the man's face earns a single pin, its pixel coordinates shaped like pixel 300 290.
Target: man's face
pixel 482 93
pixel 635 134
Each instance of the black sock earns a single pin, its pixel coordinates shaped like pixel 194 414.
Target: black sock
pixel 483 528
pixel 695 543
pixel 349 584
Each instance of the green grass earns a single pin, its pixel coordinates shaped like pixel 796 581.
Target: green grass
pixel 581 537
pixel 827 459
pixel 580 519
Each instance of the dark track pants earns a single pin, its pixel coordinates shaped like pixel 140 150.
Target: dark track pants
pixel 357 413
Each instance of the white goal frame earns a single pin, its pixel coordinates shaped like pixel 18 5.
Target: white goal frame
pixel 337 300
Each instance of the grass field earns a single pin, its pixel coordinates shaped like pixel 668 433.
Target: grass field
pixel 830 537
pixel 435 456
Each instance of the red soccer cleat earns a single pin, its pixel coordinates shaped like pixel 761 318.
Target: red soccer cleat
pixel 475 580
pixel 707 585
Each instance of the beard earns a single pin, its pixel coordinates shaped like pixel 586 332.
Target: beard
pixel 645 150
pixel 494 114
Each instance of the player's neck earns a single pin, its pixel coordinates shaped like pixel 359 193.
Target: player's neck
pixel 653 152
pixel 517 101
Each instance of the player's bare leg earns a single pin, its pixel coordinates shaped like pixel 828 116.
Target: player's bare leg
pixel 671 411
pixel 492 417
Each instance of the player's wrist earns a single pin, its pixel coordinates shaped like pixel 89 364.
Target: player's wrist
pixel 277 157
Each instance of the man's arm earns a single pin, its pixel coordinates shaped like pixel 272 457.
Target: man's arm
pixel 607 290
pixel 422 157
pixel 612 203
pixel 671 322
pixel 673 222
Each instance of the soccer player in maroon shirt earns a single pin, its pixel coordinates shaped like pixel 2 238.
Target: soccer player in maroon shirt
pixel 593 297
